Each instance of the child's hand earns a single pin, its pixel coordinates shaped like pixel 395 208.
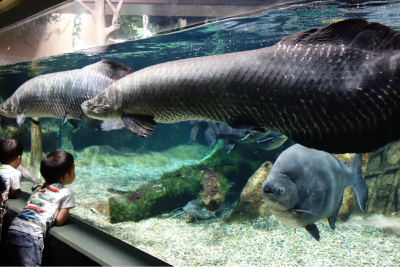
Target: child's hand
pixel 62 216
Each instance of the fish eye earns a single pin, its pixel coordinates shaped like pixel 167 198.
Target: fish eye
pixel 281 190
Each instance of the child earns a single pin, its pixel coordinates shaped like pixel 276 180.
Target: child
pixel 10 159
pixel 48 205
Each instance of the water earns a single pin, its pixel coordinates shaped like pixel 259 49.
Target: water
pixel 124 162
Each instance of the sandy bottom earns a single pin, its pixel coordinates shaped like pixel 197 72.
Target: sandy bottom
pixel 259 242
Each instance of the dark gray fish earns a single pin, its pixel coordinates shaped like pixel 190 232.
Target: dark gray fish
pixel 115 191
pixel 60 95
pixel 306 185
pixel 196 209
pixel 335 89
pixel 213 131
pixel 271 141
pixel 27 175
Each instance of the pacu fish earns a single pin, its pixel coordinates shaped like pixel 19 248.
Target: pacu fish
pixel 306 185
pixel 60 95
pixel 335 89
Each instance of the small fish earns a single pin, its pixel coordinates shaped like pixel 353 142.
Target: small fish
pixel 306 185
pixel 115 191
pixel 196 209
pixel 213 131
pixel 271 141
pixel 27 175
pixel 94 211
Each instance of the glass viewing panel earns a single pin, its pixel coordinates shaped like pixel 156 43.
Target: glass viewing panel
pixel 148 192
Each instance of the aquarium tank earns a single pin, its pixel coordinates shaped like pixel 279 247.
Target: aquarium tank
pixel 192 192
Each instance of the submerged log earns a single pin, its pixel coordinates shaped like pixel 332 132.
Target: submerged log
pixel 65 138
pixel 172 191
pixel 213 197
pixel 36 147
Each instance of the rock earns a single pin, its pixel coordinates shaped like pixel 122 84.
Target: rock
pixel 250 205
pixel 383 179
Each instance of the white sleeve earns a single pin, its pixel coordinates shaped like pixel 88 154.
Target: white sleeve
pixel 14 183
pixel 68 200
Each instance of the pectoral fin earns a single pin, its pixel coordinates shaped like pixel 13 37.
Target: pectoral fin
pixel 74 123
pixel 140 125
pixel 64 119
pixel 229 146
pixel 312 229
pixel 21 117
pixel 210 139
pixel 313 212
pixel 195 130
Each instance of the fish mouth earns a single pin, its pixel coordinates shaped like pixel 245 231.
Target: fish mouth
pixel 268 191
pixel 94 110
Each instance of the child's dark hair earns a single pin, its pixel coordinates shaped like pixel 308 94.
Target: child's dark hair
pixel 10 149
pixel 55 165
pixel 3 186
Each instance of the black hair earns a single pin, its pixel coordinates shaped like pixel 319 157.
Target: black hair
pixel 55 165
pixel 3 186
pixel 10 149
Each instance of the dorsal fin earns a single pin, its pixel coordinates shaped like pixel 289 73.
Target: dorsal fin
pixel 357 33
pixel 110 68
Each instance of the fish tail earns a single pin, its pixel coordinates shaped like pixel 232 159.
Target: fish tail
pixel 359 186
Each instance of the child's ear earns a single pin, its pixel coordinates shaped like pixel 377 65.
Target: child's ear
pixel 65 176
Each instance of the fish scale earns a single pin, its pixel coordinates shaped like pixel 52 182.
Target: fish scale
pixel 60 95
pixel 322 88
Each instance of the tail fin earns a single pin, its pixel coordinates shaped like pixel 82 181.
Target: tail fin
pixel 195 130
pixel 359 186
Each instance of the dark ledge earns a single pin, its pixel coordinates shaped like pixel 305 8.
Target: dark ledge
pixel 101 247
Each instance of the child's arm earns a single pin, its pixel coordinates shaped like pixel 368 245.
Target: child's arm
pixel 15 186
pixel 13 193
pixel 62 216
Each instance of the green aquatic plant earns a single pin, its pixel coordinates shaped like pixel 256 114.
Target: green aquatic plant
pixel 152 199
pixel 43 20
pixel 130 25
pixel 121 209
